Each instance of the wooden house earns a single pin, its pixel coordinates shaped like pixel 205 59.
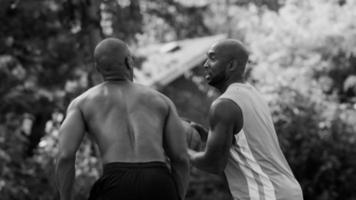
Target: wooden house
pixel 175 69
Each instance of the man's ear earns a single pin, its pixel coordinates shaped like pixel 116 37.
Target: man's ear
pixel 232 65
pixel 129 62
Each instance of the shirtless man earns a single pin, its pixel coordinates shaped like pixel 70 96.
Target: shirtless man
pixel 136 129
pixel 242 142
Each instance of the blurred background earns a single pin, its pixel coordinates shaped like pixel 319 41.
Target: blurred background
pixel 303 60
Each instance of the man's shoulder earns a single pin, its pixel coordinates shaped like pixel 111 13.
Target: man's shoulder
pixel 85 94
pixel 145 89
pixel 152 94
pixel 239 88
pixel 225 108
pixel 81 98
pixel 240 93
pixel 224 103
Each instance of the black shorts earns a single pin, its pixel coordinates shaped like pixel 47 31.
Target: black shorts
pixel 135 181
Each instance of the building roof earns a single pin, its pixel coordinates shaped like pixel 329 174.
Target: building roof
pixel 166 62
pixel 195 3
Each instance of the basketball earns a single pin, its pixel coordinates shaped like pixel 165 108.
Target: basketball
pixel 193 137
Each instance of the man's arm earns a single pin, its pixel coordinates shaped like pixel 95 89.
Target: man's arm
pixel 70 136
pixel 225 120
pixel 175 145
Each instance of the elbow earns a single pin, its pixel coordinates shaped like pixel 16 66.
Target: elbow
pixel 212 163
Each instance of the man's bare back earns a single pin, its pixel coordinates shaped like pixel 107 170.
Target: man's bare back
pixel 126 120
pixel 136 129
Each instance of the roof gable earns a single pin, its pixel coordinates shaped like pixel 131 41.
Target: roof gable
pixel 166 62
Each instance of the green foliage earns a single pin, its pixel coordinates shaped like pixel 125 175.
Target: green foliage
pixel 41 60
pixel 304 41
pixel 21 177
pixel 318 143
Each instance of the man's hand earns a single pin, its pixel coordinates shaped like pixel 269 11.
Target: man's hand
pixel 202 131
pixel 192 136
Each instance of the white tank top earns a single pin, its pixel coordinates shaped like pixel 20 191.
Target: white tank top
pixel 257 168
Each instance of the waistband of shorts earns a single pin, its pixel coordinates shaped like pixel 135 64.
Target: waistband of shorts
pixel 137 165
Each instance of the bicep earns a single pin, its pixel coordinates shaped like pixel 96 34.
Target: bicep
pixel 225 120
pixel 219 141
pixel 71 132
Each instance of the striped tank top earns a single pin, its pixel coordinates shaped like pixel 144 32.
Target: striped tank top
pixel 257 168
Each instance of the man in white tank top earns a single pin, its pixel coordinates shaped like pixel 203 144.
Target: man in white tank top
pixel 241 141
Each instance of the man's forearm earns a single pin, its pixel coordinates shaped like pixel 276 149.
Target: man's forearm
pixel 65 172
pixel 199 160
pixel 180 172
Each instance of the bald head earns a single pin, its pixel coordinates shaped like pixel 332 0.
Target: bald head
pixel 226 63
pixel 232 49
pixel 112 57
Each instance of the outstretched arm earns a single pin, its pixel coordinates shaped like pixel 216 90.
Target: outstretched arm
pixel 176 148
pixel 225 120
pixel 70 136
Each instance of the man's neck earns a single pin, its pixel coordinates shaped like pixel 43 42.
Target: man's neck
pixel 224 85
